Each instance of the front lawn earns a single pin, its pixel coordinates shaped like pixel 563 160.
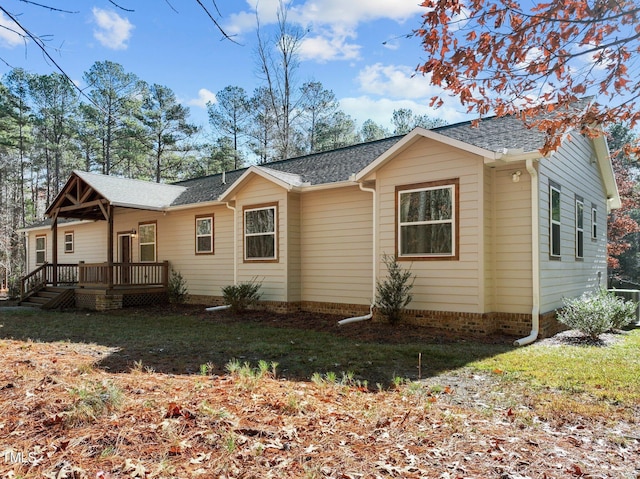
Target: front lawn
pixel 181 394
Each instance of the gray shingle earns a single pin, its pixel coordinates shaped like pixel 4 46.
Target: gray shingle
pixel 493 134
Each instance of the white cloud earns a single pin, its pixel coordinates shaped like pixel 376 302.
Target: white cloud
pixel 113 30
pixel 381 110
pixel 8 36
pixel 326 48
pixel 396 81
pixel 354 12
pixel 332 22
pixel 204 96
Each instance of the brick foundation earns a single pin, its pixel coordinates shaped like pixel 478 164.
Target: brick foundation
pixel 458 324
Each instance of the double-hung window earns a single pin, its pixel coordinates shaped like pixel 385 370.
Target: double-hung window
pixel 204 234
pixel 41 249
pixel 554 221
pixel 147 242
pixel 579 228
pixel 260 233
pixel 68 241
pixel 427 220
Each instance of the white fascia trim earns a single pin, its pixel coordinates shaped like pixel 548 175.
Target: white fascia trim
pixel 191 206
pixel 325 186
pixel 48 227
pixel 226 196
pixel 601 147
pixel 417 133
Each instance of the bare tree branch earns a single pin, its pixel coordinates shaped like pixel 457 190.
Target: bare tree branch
pixel 215 22
pixel 48 7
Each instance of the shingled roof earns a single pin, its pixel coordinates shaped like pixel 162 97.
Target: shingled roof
pixel 318 168
pixel 493 134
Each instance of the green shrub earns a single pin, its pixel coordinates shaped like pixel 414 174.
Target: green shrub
pixel 393 293
pixel 596 313
pixel 177 288
pixel 623 312
pixel 242 295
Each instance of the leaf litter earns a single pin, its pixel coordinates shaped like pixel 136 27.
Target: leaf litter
pixel 63 418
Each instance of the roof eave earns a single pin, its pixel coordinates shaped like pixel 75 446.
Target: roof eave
pixel 603 157
pixel 413 136
pixel 251 171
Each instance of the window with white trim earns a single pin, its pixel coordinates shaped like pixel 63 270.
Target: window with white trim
pixel 204 234
pixel 554 221
pixel 427 220
pixel 41 249
pixel 594 223
pixel 68 241
pixel 260 233
pixel 579 228
pixel 147 242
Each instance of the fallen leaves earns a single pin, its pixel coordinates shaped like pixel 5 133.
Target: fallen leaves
pixel 194 426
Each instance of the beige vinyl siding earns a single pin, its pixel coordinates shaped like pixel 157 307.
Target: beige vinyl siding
pixel 294 234
pixel 572 169
pixel 90 243
pixel 273 274
pixel 440 285
pixel 336 252
pixel 175 242
pixel 489 226
pixel 512 283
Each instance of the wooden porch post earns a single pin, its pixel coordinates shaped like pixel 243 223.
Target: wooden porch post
pixel 54 252
pixel 110 247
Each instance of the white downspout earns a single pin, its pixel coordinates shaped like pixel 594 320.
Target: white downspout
pixel 535 257
pixel 235 256
pixel 374 257
pixel 235 243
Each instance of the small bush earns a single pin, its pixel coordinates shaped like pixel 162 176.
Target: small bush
pixel 595 313
pixel 623 312
pixel 177 288
pixel 242 295
pixel 393 293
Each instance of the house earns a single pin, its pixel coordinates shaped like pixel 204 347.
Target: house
pixel 495 233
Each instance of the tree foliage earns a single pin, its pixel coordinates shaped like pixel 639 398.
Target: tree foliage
pixel 621 224
pixel 507 57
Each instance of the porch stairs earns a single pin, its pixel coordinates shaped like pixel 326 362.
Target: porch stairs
pixel 50 297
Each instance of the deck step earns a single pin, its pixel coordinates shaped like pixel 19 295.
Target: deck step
pixel 49 298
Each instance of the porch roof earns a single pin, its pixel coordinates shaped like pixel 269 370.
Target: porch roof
pixel 86 195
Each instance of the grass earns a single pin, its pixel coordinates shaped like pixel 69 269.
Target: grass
pixel 587 377
pixel 567 377
pixel 181 344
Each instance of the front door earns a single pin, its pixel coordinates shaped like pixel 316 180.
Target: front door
pixel 124 257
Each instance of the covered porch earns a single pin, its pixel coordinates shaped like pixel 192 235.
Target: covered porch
pixel 103 285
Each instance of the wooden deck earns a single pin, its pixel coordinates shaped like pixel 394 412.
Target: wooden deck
pixel 102 286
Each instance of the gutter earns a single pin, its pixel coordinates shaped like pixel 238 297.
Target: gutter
pixel 535 258
pixel 235 243
pixel 235 257
pixel 373 263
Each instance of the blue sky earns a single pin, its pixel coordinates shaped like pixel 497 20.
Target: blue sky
pixel 356 48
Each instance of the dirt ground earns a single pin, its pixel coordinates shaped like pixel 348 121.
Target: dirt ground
pixel 63 418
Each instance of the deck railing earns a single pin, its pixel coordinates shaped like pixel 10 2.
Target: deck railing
pixel 46 274
pixel 123 274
